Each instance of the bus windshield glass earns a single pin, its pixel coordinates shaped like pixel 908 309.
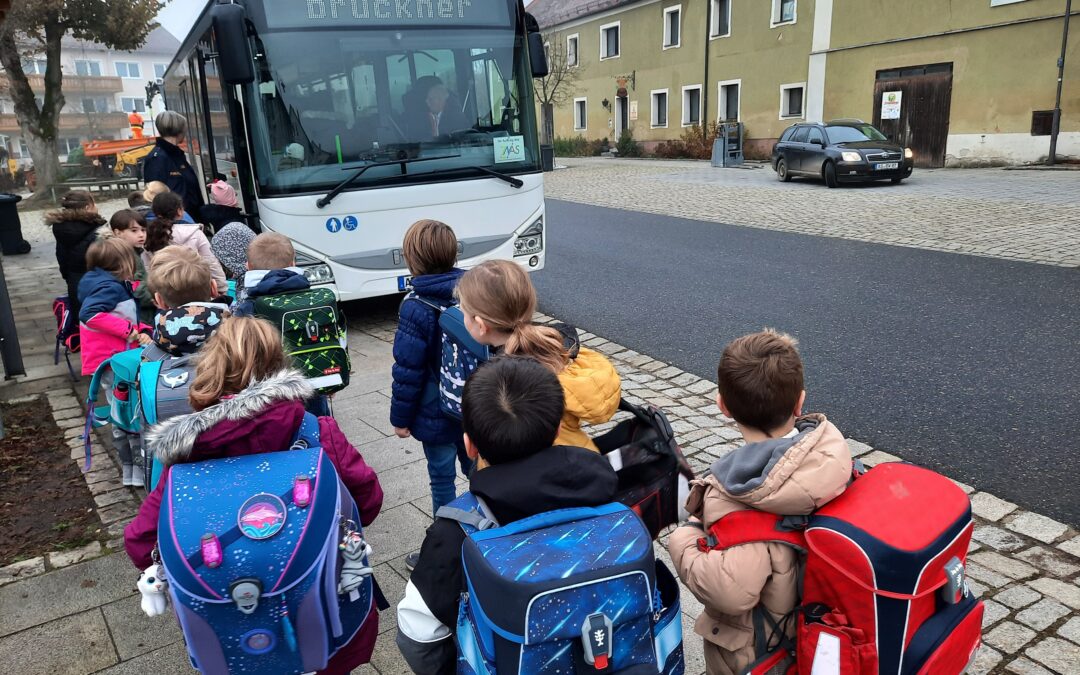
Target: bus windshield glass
pixel 327 101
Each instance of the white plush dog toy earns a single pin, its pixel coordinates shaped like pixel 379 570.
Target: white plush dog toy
pixel 152 585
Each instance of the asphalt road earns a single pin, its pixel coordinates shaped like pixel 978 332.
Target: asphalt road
pixel 968 365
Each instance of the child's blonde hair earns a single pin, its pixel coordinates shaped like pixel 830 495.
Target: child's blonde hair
pixel 430 247
pixel 180 275
pixel 241 351
pixel 501 293
pixel 271 251
pixel 113 255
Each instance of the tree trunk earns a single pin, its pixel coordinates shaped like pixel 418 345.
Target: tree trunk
pixel 547 124
pixel 39 125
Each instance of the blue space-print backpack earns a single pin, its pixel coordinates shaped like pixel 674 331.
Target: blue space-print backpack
pixel 265 560
pixel 568 591
pixel 461 355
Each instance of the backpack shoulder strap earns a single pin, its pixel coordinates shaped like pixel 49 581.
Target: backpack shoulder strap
pixel 307 436
pixel 753 526
pixel 470 511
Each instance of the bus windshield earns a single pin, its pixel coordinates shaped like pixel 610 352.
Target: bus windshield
pixel 327 101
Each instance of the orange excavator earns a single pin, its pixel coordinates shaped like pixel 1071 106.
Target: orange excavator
pixel 123 155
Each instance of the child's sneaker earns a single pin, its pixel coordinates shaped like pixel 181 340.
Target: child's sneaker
pixel 411 560
pixel 129 476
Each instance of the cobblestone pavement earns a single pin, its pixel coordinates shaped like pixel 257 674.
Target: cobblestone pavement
pixel 63 616
pixel 1020 215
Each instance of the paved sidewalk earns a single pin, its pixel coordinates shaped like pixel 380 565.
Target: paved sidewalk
pixel 85 618
pixel 1017 215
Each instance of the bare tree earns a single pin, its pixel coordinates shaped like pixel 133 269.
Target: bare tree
pixel 557 88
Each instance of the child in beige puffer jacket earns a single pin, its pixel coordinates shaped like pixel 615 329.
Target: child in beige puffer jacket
pixel 791 465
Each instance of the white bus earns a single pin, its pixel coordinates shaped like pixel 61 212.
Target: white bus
pixel 341 122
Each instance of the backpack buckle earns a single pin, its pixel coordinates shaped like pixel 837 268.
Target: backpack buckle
pixel 245 592
pixel 596 637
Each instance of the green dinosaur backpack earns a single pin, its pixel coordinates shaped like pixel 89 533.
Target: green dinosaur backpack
pixel 313 331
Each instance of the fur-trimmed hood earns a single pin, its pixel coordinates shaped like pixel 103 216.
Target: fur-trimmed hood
pixel 267 413
pixel 74 215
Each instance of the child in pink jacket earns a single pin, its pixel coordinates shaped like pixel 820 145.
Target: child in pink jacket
pixel 109 323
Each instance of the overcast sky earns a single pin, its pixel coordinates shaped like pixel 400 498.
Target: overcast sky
pixel 179 15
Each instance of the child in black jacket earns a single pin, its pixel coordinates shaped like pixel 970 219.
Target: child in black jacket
pixel 511 411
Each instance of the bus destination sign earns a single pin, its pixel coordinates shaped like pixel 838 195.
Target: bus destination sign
pixel 403 13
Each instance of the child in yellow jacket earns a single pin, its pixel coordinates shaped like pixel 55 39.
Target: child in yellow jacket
pixel 498 301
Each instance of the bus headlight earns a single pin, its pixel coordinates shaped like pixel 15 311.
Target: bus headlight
pixel 319 274
pixel 531 241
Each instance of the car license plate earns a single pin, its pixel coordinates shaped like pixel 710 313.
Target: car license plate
pixel 885 166
pixel 404 283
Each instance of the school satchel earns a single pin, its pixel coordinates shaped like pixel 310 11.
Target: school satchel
pixel 883 590
pixel 163 386
pixel 265 559
pixel 653 474
pixel 460 355
pixel 313 332
pixel 569 591
pixel 113 397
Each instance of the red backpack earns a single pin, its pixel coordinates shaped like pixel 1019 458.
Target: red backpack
pixel 883 588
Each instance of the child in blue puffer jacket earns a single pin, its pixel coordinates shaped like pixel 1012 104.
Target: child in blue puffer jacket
pixel 430 251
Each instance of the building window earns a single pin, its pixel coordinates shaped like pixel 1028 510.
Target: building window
pixel 132 104
pixel 691 105
pixel 128 70
pixel 580 117
pixel 95 104
pixel 672 26
pixel 609 41
pixel 784 11
pixel 215 104
pixel 791 100
pixel 34 66
pixel 720 21
pixel 1042 122
pixel 159 70
pixel 571 51
pixel 659 108
pixel 85 68
pixel 728 100
pixel 65 146
pixel 998 3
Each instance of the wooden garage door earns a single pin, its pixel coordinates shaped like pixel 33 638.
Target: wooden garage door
pixel 926 95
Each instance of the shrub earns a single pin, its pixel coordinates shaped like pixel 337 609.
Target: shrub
pixel 575 146
pixel 696 142
pixel 626 146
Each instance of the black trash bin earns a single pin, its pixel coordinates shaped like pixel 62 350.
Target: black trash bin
pixel 547 157
pixel 11 239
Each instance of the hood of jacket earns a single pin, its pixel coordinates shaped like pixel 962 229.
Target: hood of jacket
pixel 786 476
pixel 262 418
pixel 105 286
pixel 182 330
pixel 275 282
pixel 591 385
pixel 184 233
pixel 438 287
pixel 70 226
pixel 557 478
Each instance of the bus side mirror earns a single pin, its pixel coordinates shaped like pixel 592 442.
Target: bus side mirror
pixel 231 40
pixel 538 55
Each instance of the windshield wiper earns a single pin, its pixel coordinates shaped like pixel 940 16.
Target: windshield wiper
pixel 512 180
pixel 329 196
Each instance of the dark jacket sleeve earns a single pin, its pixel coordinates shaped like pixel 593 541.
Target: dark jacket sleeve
pixel 359 478
pixel 157 166
pixel 412 367
pixel 140 535
pixel 438 575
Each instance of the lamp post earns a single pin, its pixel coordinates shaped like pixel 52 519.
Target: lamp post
pixel 1056 128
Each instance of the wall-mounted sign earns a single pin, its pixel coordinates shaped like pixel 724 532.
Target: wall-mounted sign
pixel 890 104
pixel 633 111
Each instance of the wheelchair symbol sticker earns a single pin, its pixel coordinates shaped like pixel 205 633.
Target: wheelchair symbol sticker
pixel 350 223
pixel 333 224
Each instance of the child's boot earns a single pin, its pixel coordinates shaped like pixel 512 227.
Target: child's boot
pixel 129 476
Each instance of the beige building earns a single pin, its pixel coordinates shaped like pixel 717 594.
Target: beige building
pixel 965 81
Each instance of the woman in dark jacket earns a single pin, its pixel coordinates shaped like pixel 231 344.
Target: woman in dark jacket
pixel 74 226
pixel 169 164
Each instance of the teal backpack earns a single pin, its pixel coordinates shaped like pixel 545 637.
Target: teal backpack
pixel 114 396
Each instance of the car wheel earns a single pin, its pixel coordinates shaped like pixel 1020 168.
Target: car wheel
pixel 896 181
pixel 830 175
pixel 782 174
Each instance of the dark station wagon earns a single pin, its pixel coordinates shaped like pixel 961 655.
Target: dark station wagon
pixel 841 151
